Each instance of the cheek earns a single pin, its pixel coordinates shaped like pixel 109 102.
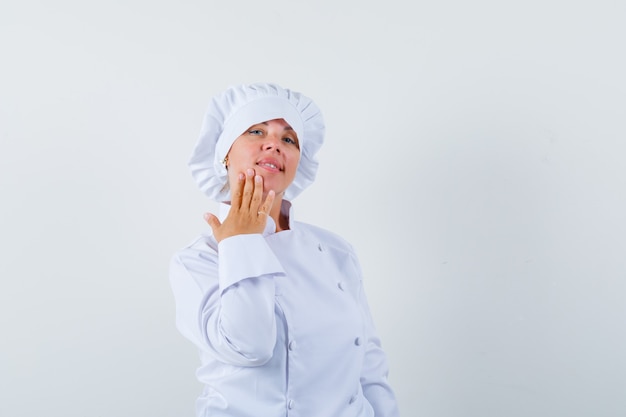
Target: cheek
pixel 235 167
pixel 236 162
pixel 296 161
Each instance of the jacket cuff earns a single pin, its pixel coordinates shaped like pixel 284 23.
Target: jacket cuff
pixel 245 256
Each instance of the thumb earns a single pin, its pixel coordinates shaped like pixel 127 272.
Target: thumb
pixel 213 221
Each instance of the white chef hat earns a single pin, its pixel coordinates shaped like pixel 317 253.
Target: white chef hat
pixel 236 109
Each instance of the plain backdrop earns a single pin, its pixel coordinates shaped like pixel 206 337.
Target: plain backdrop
pixel 474 157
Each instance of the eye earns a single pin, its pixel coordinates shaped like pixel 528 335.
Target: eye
pixel 290 140
pixel 255 132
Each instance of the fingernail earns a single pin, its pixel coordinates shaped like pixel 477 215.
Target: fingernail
pixel 206 216
pixel 250 172
pixel 241 176
pixel 257 178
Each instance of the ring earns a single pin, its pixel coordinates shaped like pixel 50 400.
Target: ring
pixel 261 212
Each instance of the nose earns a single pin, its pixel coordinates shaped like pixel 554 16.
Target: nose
pixel 272 142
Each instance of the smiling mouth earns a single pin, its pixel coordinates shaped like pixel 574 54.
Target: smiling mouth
pixel 269 165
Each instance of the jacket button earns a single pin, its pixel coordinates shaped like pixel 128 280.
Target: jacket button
pixel 290 404
pixel 352 399
pixel 357 341
pixel 341 286
pixel 292 345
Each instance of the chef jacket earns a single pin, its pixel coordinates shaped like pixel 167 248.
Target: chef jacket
pixel 282 325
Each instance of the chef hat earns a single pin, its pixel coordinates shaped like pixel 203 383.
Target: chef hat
pixel 239 107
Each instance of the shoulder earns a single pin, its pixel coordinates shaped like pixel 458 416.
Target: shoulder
pixel 202 247
pixel 193 269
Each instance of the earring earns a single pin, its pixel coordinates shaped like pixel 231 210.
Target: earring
pixel 225 162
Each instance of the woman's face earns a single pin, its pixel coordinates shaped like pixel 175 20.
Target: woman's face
pixel 271 149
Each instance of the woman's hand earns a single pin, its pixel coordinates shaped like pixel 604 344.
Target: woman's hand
pixel 248 212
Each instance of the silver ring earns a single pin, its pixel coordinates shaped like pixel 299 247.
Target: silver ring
pixel 261 212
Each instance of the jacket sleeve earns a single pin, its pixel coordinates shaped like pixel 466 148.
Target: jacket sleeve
pixel 374 383
pixel 225 304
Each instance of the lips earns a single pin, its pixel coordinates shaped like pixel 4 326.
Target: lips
pixel 270 164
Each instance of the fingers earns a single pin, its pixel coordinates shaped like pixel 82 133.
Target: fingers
pixel 213 221
pixel 248 198
pixel 237 192
pixel 266 207
pixel 257 195
pixel 248 191
pixel 249 210
pixel 262 208
pixel 251 196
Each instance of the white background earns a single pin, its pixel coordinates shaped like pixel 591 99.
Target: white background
pixel 474 158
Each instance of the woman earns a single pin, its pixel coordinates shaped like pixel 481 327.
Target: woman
pixel 276 307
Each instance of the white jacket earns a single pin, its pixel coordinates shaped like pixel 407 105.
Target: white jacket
pixel 282 325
